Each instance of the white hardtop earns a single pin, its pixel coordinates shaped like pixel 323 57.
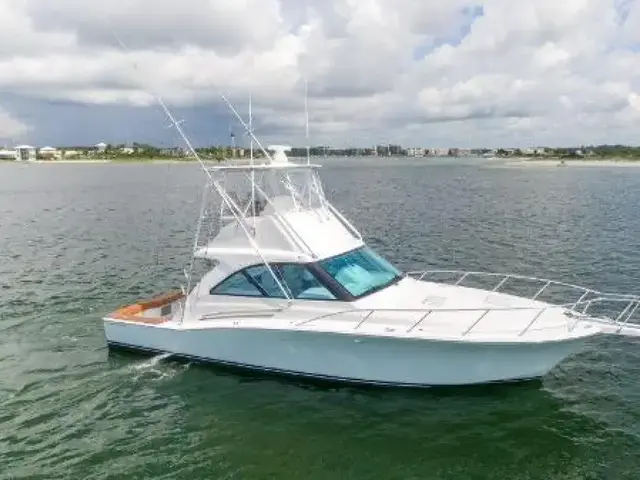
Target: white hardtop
pixel 285 235
pixel 274 211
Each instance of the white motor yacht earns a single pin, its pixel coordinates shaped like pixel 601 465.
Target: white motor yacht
pixel 293 288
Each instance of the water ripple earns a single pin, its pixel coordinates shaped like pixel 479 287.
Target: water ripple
pixel 71 409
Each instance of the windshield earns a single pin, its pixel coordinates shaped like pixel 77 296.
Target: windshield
pixel 361 271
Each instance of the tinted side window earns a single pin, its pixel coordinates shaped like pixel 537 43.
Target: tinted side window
pixel 257 281
pixel 262 277
pixel 237 285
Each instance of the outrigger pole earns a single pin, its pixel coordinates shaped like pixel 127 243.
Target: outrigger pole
pixel 235 210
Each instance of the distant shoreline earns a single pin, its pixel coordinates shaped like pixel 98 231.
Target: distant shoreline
pixel 123 160
pixel 520 161
pixel 582 162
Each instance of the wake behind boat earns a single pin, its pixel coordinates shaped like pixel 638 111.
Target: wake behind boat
pixel 293 288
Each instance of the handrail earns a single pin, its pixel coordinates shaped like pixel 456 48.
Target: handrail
pixel 465 274
pixel 418 310
pixel 622 320
pixel 484 314
pixel 258 312
pixel 368 312
pixel 419 322
pixel 632 302
pixel 236 314
pixel 507 276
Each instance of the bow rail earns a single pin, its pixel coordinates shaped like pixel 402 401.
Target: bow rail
pixel 521 285
pixel 471 318
pixel 614 313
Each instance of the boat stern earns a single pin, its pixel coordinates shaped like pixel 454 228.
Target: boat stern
pixel 155 310
pixel 132 325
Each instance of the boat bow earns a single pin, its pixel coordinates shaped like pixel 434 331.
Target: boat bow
pixel 610 313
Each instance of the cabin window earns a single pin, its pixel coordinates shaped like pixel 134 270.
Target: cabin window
pixel 260 276
pixel 298 279
pixel 258 281
pixel 238 285
pixel 361 271
pixel 303 284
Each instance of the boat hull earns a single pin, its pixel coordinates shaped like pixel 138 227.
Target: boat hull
pixel 350 358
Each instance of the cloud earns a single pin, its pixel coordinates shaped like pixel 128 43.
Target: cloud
pixel 455 72
pixel 11 128
pixel 229 27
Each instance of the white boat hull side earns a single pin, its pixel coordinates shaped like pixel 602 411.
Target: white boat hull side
pixel 377 360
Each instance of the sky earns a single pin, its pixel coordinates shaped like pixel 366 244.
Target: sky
pixel 438 73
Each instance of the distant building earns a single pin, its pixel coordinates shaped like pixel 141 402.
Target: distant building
pixel 172 152
pixel 49 153
pixel 8 154
pixel 100 147
pixel 416 152
pixel 389 150
pixel 72 153
pixel 395 149
pixel 368 152
pixel 25 153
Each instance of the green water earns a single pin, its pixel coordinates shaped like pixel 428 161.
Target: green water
pixel 79 240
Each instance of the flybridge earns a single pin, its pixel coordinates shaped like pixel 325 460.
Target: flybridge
pixel 279 205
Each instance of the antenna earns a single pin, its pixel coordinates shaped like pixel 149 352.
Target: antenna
pixel 176 123
pixel 250 130
pixel 244 124
pixel 253 173
pixel 306 114
pixel 214 183
pixel 172 119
